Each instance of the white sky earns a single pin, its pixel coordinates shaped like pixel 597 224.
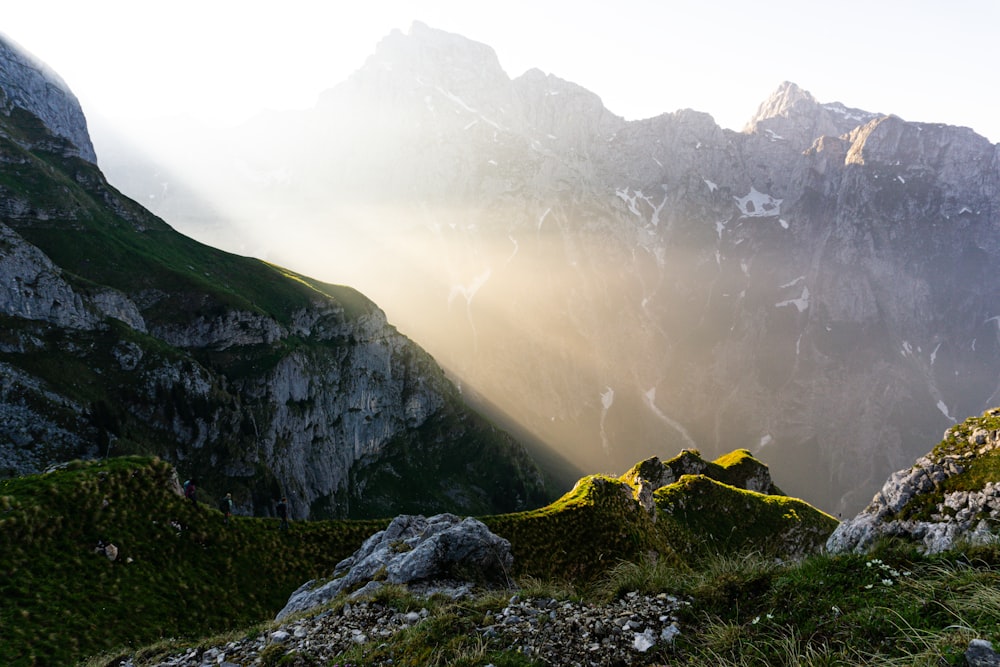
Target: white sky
pixel 924 60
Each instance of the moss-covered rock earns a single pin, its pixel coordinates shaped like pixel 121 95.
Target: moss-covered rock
pixel 699 514
pixel 949 496
pixel 683 507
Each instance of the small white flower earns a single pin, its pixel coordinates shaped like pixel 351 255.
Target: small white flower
pixel 755 621
pixel 770 616
pixel 887 582
pixel 868 585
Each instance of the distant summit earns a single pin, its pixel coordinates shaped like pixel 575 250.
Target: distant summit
pixel 792 112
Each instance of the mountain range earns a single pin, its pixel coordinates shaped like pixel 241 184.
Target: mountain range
pixel 816 288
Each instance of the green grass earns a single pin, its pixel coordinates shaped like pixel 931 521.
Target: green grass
pixel 701 513
pixel 182 578
pixel 895 607
pixel 180 572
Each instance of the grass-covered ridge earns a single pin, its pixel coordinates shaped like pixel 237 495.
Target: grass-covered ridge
pixel 603 519
pixel 705 515
pixel 181 573
pixel 100 237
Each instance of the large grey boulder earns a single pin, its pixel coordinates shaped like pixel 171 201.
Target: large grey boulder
pixel 413 549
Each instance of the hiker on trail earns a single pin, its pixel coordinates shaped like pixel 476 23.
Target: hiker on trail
pixel 191 490
pixel 283 513
pixel 227 507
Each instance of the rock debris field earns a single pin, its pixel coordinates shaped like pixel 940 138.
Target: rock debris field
pixel 628 631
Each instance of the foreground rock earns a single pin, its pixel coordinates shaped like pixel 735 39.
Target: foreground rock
pixel 413 550
pixel 948 497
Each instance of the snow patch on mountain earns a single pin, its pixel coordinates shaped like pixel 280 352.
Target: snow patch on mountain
pixel 801 303
pixel 758 204
pixel 607 400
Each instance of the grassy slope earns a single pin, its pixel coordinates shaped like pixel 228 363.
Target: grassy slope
pixel 100 237
pixel 180 572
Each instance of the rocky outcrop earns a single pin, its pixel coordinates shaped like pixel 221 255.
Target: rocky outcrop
pixel 28 84
pixel 739 469
pixel 413 550
pixel 931 503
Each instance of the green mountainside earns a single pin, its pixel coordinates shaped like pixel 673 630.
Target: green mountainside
pixel 121 336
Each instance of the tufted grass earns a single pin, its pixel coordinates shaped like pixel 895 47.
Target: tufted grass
pixel 891 607
pixel 746 609
pixel 180 572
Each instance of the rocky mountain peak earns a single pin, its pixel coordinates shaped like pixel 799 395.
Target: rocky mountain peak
pixel 564 112
pixel 787 100
pixel 29 84
pixel 793 114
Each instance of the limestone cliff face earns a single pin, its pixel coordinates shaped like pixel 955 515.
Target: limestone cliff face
pixel 122 336
pixel 818 288
pixel 30 85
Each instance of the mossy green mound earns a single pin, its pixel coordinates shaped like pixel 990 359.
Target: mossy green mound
pixel 658 509
pixel 578 537
pixel 701 515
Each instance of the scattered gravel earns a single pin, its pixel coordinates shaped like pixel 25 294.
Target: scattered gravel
pixel 627 631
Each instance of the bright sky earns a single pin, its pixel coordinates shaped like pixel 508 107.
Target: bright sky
pixel 924 60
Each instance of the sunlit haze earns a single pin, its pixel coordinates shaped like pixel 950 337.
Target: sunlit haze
pixel 557 298
pixel 225 59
